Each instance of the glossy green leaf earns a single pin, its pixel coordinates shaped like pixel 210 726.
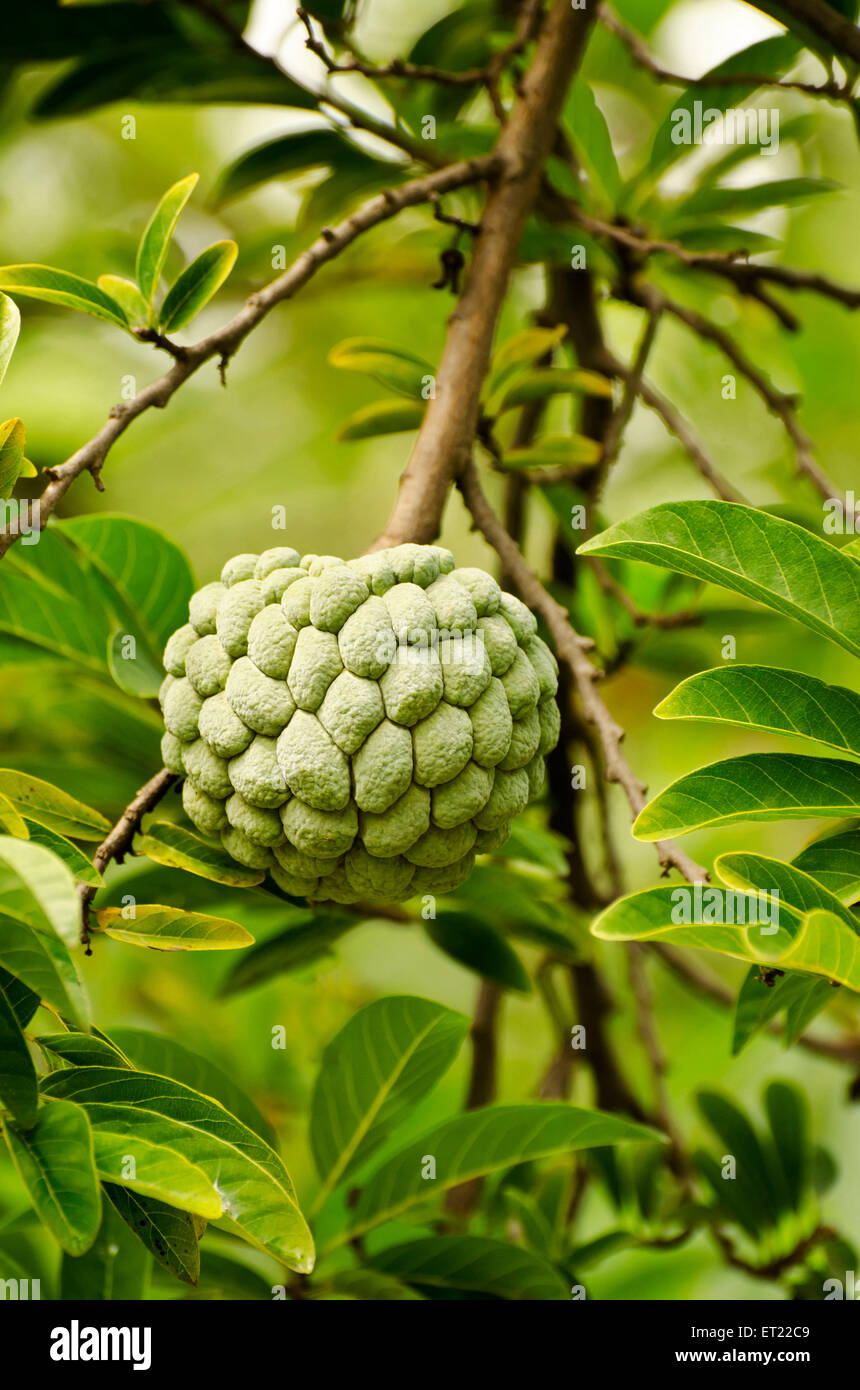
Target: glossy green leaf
pixel 82 1049
pixel 19 1089
pixel 553 451
pixel 197 284
pixel 479 1142
pixel 586 126
pixel 771 699
pixel 745 201
pixel 55 1161
pixel 163 1122
pixel 475 1263
pixel 755 787
pixel 478 946
pixel 154 1053
pixel 51 598
pixel 168 1234
pixel 115 1268
pixel 38 887
pixel 10 327
pixel 295 153
pixel 392 366
pixel 179 848
pixel 759 873
pixel 386 1058
pixel 49 806
pixel 82 869
pixel 759 1002
pixel 371 1286
pixel 171 929
pixel 61 287
pixel 834 859
pixel 382 417
pixel 41 961
pixel 750 552
pixel 155 242
pixel 12 441
pixel 19 998
pixel 545 382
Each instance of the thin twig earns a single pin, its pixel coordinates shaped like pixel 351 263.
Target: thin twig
pixel 571 649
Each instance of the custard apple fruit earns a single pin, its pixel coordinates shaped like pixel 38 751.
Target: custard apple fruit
pixel 361 729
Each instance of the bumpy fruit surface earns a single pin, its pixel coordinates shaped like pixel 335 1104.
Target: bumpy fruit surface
pixel 360 729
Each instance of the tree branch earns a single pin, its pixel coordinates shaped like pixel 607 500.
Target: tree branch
pixel 444 442
pixel 572 650
pixel 224 343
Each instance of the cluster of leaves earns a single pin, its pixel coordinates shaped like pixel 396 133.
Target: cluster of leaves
pixel 809 939
pixel 134 304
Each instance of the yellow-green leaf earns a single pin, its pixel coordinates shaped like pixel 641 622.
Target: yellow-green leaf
pixel 169 929
pixel 155 242
pixel 197 284
pixel 61 287
pixel 49 806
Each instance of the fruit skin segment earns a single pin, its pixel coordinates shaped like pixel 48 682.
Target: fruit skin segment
pixel 361 729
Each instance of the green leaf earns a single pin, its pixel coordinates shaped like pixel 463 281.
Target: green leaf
pixel 170 70
pixel 834 859
pixel 310 935
pixel 819 943
pixel 771 699
pixel 19 1089
pixel 752 553
pixel 38 887
pixel 733 202
pixel 10 327
pixel 82 869
pixel 479 1142
pixel 127 296
pixel 544 382
pixel 479 947
pixel 377 1068
pixel 197 284
pixel 148 577
pixel 475 1263
pixel 56 1164
pixel 757 873
pixel 805 1005
pixel 82 1049
pixel 759 1002
pixel 770 57
pixel 178 848
pixel 171 929
pixel 554 451
pixel 382 417
pixel 787 1117
pixel 153 1053
pixel 395 367
pixel 41 961
pixel 132 670
pixel 520 351
pixel 143 1114
pixel 739 1139
pixel 296 153
pixel 155 242
pixel 371 1286
pixel 755 787
pixel 12 441
pixel 41 802
pixel 169 1235
pixel 22 1001
pixel 586 125
pixel 61 287
pixel 115 1268
pixel 51 597
pixel 11 822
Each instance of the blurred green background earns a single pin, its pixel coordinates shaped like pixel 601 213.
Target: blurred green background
pixel 209 470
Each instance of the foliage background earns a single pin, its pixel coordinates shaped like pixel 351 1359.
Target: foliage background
pixel 209 470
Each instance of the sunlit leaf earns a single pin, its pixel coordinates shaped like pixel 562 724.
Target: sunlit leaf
pixel 170 929
pixel 155 241
pixel 61 287
pixel 56 1163
pixel 197 284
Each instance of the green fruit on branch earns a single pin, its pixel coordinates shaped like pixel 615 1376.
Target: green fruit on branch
pixel 360 729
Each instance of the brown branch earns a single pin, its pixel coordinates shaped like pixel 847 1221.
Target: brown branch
pixel 825 20
pixel 224 343
pixel 462 1199
pixel 620 419
pixel 643 998
pixel 444 442
pixel 834 90
pixel 571 649
pixel 118 842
